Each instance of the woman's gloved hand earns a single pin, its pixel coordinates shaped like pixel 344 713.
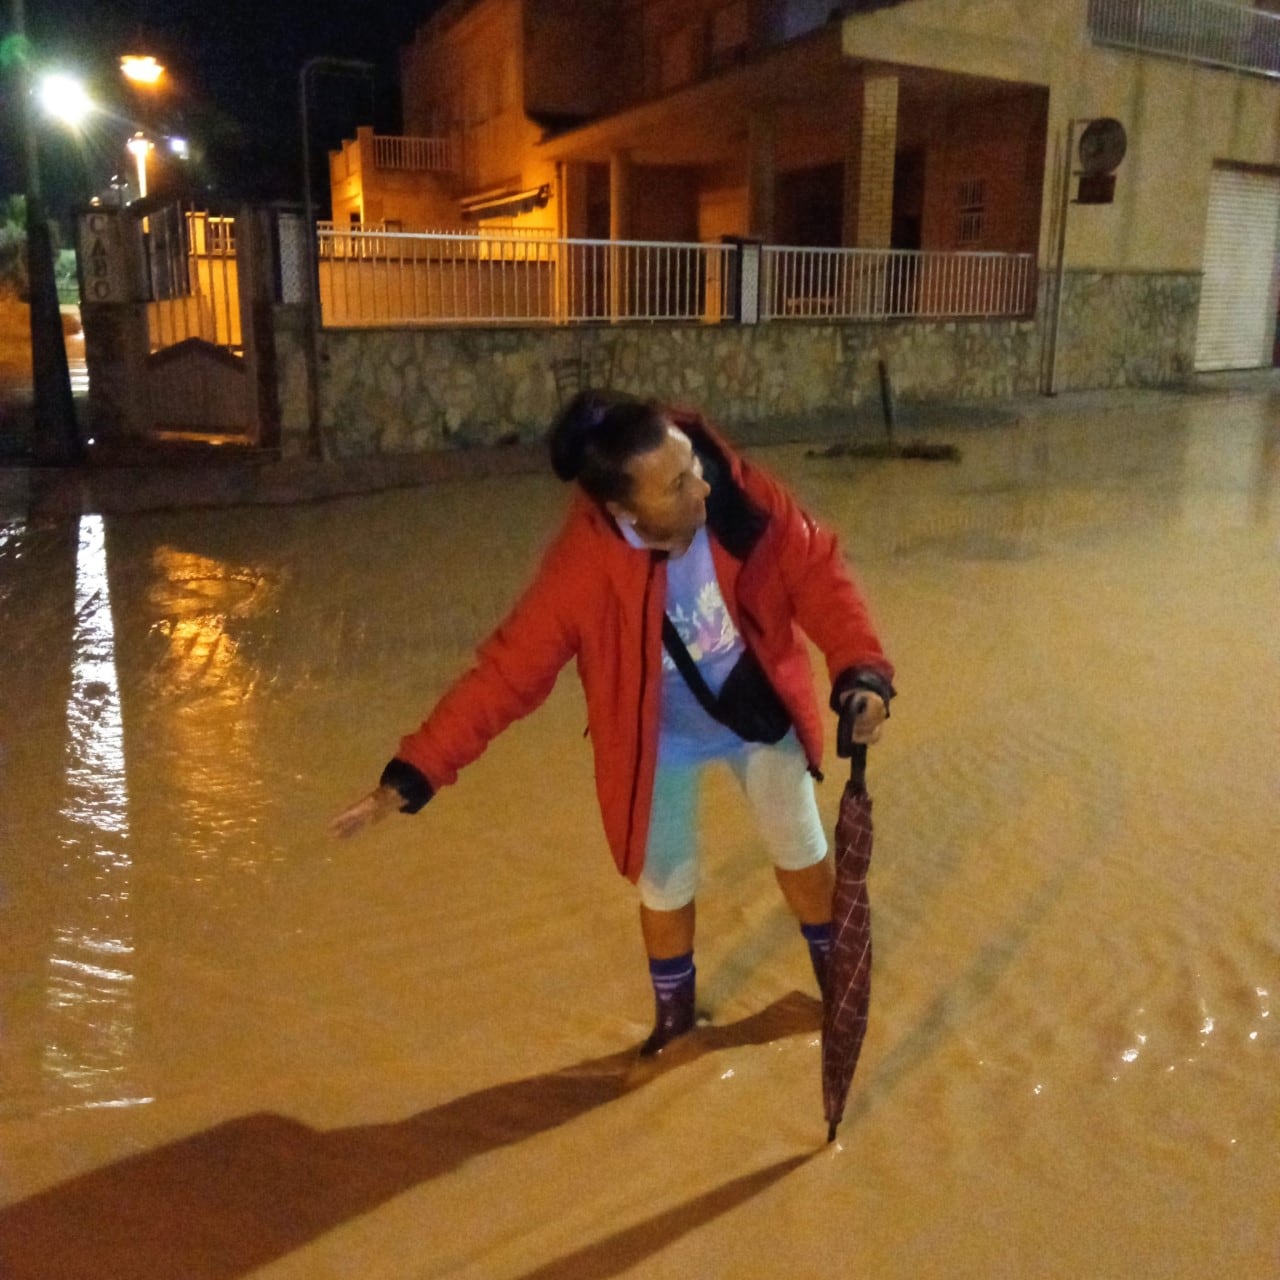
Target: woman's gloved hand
pixel 862 717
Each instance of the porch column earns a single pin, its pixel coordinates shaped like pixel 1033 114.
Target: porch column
pixel 619 229
pixel 761 175
pixel 620 195
pixel 873 139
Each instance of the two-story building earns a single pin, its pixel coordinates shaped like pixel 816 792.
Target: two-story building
pixel 924 126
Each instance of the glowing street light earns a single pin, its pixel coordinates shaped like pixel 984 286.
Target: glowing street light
pixel 141 70
pixel 138 146
pixel 64 98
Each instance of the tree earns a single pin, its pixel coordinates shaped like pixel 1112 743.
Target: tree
pixel 13 246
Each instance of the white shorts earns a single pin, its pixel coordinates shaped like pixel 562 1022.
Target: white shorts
pixel 779 789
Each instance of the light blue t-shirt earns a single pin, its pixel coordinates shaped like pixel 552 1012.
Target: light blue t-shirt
pixel 696 607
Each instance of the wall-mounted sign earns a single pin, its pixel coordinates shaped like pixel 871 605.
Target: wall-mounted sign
pixel 102 259
pixel 1102 147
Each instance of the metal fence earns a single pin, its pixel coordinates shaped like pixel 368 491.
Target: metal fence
pixel 1208 31
pixel 193 278
pixel 370 278
pixel 350 239
pixel 880 284
pixel 418 155
pixel 410 278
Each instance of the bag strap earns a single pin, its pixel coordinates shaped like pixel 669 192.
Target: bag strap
pixel 689 669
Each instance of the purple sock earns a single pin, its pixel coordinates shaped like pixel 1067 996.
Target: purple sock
pixel 673 986
pixel 818 936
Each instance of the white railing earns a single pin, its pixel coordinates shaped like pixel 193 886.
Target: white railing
pixel 425 278
pixel 384 278
pixel 194 279
pixel 346 237
pixel 415 155
pixel 1207 31
pixel 879 284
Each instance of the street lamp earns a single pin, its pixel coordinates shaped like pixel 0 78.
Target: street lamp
pixel 141 69
pixel 64 98
pixel 138 146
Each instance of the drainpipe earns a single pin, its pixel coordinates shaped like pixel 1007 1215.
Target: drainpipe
pixel 1051 380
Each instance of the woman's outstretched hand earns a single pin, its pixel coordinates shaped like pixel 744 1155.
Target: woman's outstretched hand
pixel 365 812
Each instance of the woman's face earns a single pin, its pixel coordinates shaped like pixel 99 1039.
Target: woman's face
pixel 668 502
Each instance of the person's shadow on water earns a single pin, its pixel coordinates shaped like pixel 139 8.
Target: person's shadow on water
pixel 219 1204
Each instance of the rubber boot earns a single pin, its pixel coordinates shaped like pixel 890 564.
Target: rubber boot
pixel 673 1016
pixel 821 968
pixel 818 936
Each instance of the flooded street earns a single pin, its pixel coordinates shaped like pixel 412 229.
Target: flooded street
pixel 233 1047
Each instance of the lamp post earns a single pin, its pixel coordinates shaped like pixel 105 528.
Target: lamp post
pixel 334 66
pixel 56 437
pixel 138 146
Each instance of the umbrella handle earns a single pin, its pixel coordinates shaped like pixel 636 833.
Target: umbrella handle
pixel 854 752
pixel 858 766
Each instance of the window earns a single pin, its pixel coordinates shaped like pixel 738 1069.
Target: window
pixel 729 35
pixel 973 208
pixel 675 55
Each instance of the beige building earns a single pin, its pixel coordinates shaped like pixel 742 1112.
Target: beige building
pixel 919 125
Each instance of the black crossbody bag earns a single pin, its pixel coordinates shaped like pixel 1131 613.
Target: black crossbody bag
pixel 747 703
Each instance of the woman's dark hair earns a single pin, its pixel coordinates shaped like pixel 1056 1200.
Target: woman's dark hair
pixel 597 434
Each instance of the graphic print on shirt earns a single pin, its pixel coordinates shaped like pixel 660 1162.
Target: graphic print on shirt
pixel 706 629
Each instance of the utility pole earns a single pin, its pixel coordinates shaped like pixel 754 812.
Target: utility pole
pixel 334 66
pixel 56 439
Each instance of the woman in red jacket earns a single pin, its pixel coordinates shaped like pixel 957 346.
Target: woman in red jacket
pixel 680 582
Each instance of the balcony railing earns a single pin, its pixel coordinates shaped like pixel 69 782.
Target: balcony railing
pixel 442 278
pixel 350 239
pixel 887 284
pixel 413 155
pixel 445 278
pixel 1205 31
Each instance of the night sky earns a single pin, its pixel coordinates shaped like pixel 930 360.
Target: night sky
pixel 233 87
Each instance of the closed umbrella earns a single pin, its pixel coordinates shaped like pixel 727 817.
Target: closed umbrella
pixel 848 993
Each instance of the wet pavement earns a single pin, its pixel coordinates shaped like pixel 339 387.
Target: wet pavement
pixel 234 1048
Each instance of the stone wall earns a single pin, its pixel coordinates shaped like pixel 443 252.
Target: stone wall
pixel 1127 329
pixel 401 391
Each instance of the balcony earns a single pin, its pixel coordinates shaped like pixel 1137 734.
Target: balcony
pixel 413 155
pixel 1209 32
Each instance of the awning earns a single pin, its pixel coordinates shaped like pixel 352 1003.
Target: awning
pixel 507 203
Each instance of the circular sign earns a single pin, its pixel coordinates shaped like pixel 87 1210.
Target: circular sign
pixel 1102 145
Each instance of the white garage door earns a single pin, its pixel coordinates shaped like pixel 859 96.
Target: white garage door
pixel 1241 254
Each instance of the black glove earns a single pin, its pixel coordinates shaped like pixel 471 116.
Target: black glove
pixel 414 789
pixel 849 699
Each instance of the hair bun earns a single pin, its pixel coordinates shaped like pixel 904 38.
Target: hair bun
pixel 569 433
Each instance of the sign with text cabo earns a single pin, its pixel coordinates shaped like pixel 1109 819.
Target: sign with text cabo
pixel 102 257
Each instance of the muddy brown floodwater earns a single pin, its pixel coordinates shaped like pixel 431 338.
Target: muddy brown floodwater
pixel 232 1047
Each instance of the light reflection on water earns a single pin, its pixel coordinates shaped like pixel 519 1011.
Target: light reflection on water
pixel 89 993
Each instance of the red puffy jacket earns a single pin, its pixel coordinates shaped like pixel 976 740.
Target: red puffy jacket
pixel 600 600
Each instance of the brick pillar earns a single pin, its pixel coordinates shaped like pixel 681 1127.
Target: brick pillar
pixel 620 195
pixel 761 175
pixel 873 139
pixel 619 229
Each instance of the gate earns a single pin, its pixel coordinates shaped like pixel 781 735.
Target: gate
pixel 173 292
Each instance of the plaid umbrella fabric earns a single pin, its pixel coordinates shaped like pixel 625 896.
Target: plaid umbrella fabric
pixel 848 993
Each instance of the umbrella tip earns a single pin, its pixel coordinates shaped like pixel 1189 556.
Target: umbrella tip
pixel 831 1132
